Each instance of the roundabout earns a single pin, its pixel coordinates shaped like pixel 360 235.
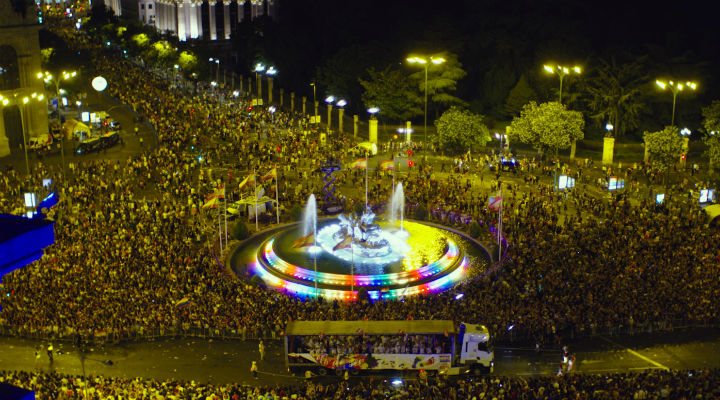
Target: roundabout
pixel 350 257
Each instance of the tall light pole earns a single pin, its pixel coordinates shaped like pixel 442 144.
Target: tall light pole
pixel 675 88
pixel 47 77
pixel 329 101
pixel 341 109
pixel 425 62
pixel 561 72
pixel 270 72
pixel 217 68
pixel 22 107
pixel 315 104
pixel 259 68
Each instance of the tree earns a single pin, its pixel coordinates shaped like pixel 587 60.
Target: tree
pixel 664 147
pixel 548 126
pixel 391 91
pixel 441 81
pixel 519 95
pixel 614 95
pixel 711 123
pixel 460 130
pixel 711 117
pixel 239 231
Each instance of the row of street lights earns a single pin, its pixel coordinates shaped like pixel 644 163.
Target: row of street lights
pixel 22 103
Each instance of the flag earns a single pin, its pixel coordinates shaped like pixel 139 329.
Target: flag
pixel 387 165
pixel 250 179
pixel 220 191
pixel 270 175
pixel 210 202
pixel 304 241
pixel 494 203
pixel 185 301
pixel 344 244
pixel 360 163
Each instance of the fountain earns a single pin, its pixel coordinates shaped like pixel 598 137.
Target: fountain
pixel 337 258
pixel 397 205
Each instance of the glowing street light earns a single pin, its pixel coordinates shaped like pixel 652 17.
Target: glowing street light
pixel 217 68
pixel 561 72
pixel 425 61
pixel 373 111
pixel 675 88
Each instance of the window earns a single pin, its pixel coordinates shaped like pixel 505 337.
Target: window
pixel 9 70
pixel 149 6
pixel 142 6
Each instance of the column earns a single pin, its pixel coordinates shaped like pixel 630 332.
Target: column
pixel 608 150
pixel 356 125
pixel 292 101
pixel 408 131
pixel 304 108
pixel 211 18
pixel 4 141
pixel 226 18
pixel 270 90
pixel 341 112
pixel 196 21
pixel 282 97
pixel 182 36
pixel 373 133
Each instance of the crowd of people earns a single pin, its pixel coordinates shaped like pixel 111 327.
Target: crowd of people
pixel 134 253
pixel 654 384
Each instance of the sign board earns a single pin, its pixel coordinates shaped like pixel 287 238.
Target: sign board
pixel 707 195
pixel 616 183
pixel 659 198
pixel 566 182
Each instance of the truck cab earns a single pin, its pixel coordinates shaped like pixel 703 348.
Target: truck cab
pixel 475 351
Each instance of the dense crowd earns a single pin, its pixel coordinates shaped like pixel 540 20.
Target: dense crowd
pixel 676 385
pixel 133 240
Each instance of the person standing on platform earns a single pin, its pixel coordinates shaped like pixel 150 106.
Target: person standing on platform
pixel 254 369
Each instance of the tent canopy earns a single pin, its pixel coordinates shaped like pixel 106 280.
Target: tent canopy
pixel 713 212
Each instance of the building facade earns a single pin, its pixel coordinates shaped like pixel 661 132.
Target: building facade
pixel 19 66
pixel 203 19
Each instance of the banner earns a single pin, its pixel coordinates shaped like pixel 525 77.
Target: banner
pixel 387 165
pixel 249 180
pixel 270 175
pixel 360 163
pixel 494 203
pixel 379 361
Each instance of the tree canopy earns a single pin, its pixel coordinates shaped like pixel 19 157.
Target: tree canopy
pixel 664 147
pixel 547 126
pixel 392 91
pixel 460 130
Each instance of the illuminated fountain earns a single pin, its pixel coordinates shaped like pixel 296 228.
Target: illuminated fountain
pixel 338 258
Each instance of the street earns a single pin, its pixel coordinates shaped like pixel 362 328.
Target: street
pixel 228 361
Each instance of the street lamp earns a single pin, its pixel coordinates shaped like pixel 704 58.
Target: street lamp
pixel 675 88
pixel 217 69
pixel 22 106
pixel 47 77
pixel 259 67
pixel 329 101
pixel 315 104
pixel 372 111
pixel 341 110
pixel 561 72
pixel 425 62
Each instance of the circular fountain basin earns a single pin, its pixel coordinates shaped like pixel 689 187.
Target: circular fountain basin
pixel 419 258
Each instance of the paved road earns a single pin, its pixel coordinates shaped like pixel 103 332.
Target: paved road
pixel 229 361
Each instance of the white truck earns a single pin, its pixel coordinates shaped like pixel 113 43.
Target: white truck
pixel 323 347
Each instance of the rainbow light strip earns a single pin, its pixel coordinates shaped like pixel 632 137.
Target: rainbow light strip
pixel 378 280
pixel 309 291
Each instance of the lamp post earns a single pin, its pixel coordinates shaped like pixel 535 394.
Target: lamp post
pixel 341 110
pixel 22 106
pixel 329 101
pixel 259 68
pixel 270 72
pixel 47 77
pixel 675 88
pixel 314 101
pixel 217 68
pixel 561 72
pixel 500 137
pixel 425 62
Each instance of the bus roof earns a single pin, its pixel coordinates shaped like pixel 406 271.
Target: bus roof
pixel 311 328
